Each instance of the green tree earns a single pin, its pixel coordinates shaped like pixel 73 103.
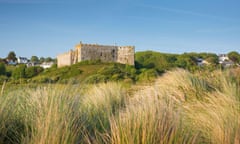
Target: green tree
pixel 34 59
pixel 2 69
pixel 41 60
pixel 186 61
pixel 11 56
pixel 234 56
pixel 33 71
pixel 154 60
pixel 48 59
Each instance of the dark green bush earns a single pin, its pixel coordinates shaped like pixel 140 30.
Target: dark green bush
pixel 2 69
pixel 33 71
pixel 97 78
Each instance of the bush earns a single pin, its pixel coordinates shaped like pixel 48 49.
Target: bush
pixel 2 69
pixel 97 78
pixel 19 72
pixel 147 75
pixel 3 78
pixel 33 71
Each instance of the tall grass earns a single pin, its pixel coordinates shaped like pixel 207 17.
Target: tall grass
pixel 179 107
pixel 210 105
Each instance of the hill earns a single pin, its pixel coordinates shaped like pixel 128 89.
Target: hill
pixel 88 72
pixel 148 65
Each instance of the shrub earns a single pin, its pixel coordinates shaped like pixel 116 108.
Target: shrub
pixel 19 72
pixel 33 71
pixel 2 69
pixel 97 78
pixel 147 75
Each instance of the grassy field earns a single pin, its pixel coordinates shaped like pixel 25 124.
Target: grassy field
pixel 179 107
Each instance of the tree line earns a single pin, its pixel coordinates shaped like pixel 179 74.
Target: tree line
pixel 35 59
pixel 10 69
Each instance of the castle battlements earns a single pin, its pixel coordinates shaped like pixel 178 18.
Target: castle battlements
pixel 105 53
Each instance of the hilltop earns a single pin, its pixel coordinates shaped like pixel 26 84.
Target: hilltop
pixel 148 65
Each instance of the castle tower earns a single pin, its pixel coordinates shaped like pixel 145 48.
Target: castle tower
pixel 78 50
pixel 126 55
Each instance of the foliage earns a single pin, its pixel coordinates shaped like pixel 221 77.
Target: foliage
pixel 33 71
pixel 19 72
pixel 162 62
pixel 88 71
pixel 2 69
pixel 186 61
pixel 55 74
pixel 147 75
pixel 11 56
pixel 49 59
pixel 116 72
pixel 148 65
pixel 34 59
pixel 159 61
pixel 9 70
pixel 234 56
pixel 3 78
pixel 41 59
pixel 97 78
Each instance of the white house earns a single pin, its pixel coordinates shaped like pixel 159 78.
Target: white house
pixel 22 60
pixel 222 58
pixel 46 64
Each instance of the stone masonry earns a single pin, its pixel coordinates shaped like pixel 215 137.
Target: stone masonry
pixel 105 53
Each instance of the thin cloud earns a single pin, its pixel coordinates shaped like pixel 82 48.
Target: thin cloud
pixel 219 30
pixel 185 12
pixel 27 1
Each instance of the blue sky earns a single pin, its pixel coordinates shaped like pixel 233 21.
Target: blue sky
pixel 50 27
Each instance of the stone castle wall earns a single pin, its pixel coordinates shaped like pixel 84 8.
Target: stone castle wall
pixel 126 55
pixel 64 59
pixel 98 52
pixel 105 53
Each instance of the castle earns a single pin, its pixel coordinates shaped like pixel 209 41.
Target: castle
pixel 105 53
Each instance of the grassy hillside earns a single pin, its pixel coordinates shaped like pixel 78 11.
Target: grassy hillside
pixel 148 65
pixel 92 72
pixel 180 107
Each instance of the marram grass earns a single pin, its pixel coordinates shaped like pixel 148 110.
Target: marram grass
pixel 178 108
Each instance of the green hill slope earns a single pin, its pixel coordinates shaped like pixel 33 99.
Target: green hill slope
pixel 88 71
pixel 148 65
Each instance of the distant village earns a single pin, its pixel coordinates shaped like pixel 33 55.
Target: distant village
pixel 35 61
pixel 28 63
pixel 223 59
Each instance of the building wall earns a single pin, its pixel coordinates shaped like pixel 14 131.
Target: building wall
pixel 78 52
pixel 105 53
pixel 64 59
pixel 126 54
pixel 98 52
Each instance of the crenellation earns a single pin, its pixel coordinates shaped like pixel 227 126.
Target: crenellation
pixel 105 53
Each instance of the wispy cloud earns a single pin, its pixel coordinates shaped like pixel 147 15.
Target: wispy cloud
pixel 27 1
pixel 219 30
pixel 185 12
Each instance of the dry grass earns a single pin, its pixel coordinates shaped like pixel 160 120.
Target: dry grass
pixel 179 108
